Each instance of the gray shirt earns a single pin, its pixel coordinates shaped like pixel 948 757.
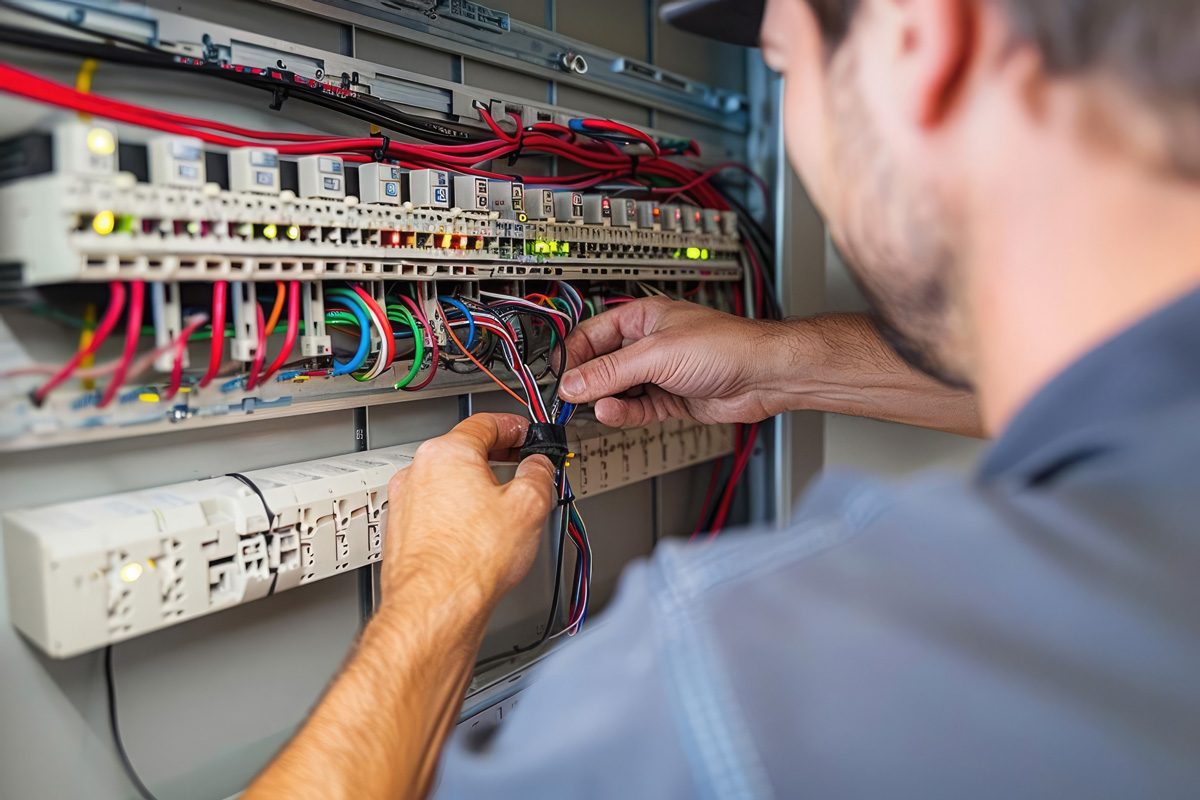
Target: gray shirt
pixel 1031 632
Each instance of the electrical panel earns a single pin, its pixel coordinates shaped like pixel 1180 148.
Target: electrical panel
pixel 85 574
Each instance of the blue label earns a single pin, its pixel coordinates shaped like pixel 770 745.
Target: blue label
pixel 391 189
pixel 189 172
pixel 441 195
pixel 333 184
pixel 264 179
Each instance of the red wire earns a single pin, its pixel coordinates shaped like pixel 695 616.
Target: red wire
pixel 388 345
pixel 116 303
pixel 415 307
pixel 260 352
pixel 734 479
pixel 133 329
pixel 708 496
pixel 293 327
pixel 216 348
pixel 181 344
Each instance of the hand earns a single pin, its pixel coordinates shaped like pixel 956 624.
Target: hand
pixel 655 359
pixel 452 527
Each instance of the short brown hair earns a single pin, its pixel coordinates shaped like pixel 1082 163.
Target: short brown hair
pixel 1152 46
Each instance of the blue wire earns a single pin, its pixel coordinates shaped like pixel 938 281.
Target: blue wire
pixel 467 314
pixel 364 342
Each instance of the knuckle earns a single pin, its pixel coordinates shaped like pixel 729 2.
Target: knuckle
pixel 431 449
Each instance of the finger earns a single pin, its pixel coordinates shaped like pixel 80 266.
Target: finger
pixel 484 433
pixel 532 489
pixel 606 332
pixel 613 373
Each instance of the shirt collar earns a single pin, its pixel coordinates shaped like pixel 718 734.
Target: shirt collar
pixel 1151 367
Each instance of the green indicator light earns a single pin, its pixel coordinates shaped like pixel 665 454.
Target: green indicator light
pixel 293 232
pixel 541 247
pixel 693 253
pixel 124 224
pixel 566 248
pixel 193 228
pixel 554 247
pixel 245 230
pixel 270 231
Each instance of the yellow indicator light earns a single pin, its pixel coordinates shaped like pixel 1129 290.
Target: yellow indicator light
pixel 148 397
pixel 293 232
pixel 101 142
pixel 693 253
pixel 447 241
pixel 104 222
pixel 570 455
pixel 554 247
pixel 270 231
pixel 193 228
pixel 479 243
pixel 131 572
pixel 704 255
pixel 566 247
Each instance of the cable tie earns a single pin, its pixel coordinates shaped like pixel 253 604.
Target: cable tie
pixel 384 143
pixel 279 95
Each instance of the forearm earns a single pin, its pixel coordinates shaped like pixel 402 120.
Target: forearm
pixel 838 363
pixel 378 731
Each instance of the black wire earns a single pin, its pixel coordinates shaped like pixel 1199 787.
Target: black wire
pixel 254 488
pixel 114 725
pixel 516 651
pixel 365 108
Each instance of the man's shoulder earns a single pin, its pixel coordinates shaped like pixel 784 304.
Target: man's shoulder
pixel 937 620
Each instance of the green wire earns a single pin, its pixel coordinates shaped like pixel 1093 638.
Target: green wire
pixel 419 355
pixel 361 375
pixel 588 302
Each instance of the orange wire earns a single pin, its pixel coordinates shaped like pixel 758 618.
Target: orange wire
pixel 277 310
pixel 487 372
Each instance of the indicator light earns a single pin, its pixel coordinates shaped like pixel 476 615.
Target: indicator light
pixel 704 255
pixel 693 253
pixel 270 231
pixel 657 212
pixel 193 228
pixel 447 241
pixel 131 572
pixel 293 232
pixel 100 142
pixel 462 242
pixel 104 222
pixel 245 230
pixel 395 238
pixel 479 243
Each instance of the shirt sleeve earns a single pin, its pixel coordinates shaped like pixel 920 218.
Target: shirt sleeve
pixel 595 723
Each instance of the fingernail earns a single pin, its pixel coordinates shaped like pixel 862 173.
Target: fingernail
pixel 573 383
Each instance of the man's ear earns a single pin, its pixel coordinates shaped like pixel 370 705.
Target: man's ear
pixel 934 43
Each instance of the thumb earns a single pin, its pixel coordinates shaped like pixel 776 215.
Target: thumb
pixel 614 373
pixel 532 489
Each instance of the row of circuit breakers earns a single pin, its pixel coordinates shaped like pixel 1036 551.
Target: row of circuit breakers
pixel 78 205
pixel 88 573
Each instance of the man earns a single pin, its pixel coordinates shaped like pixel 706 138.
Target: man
pixel 1016 184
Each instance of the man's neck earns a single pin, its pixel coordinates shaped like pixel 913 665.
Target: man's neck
pixel 1072 257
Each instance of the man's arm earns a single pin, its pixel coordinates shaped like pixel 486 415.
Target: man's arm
pixel 655 359
pixel 379 730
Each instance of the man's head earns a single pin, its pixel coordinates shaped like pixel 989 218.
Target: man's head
pixel 912 121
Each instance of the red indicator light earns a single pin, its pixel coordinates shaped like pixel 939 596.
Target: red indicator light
pixel 607 203
pixel 697 216
pixel 658 212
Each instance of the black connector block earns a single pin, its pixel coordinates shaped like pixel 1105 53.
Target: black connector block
pixel 544 439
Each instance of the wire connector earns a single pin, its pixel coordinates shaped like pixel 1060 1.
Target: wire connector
pixel 545 439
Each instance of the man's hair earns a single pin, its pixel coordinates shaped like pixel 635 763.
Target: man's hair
pixel 1152 46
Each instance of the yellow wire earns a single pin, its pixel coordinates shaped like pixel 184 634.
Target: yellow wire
pixel 83 81
pixel 85 339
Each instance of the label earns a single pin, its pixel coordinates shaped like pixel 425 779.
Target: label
pixel 333 184
pixel 441 196
pixel 188 172
pixel 185 152
pixel 264 178
pixel 264 158
pixel 391 189
pixel 331 165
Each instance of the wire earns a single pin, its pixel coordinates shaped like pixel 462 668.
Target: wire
pixel 364 342
pixel 405 316
pixel 115 726
pixel 467 314
pixel 180 344
pixel 116 303
pixel 133 329
pixel 485 370
pixel 417 312
pixel 293 328
pixel 260 351
pixel 220 290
